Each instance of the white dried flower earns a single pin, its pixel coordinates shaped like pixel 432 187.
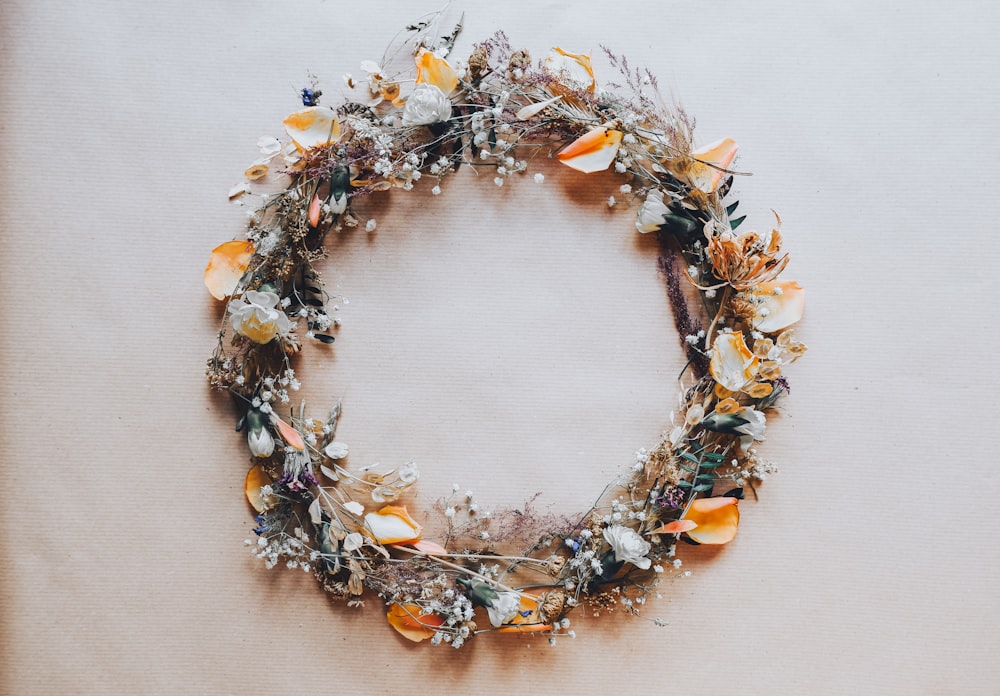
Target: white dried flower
pixel 427 104
pixel 628 546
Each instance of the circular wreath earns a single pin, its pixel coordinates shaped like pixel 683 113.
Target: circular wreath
pixel 503 572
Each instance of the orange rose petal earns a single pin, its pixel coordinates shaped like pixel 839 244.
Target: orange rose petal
pixel 717 520
pixel 314 126
pixel 525 628
pixel 314 210
pixel 676 527
pixel 289 434
pixel 392 525
pixel 783 309
pixel 594 151
pixel 436 71
pixel 256 478
pixel 226 267
pixel 411 624
pixel 705 172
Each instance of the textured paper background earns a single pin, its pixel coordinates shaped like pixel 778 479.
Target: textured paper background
pixel 512 341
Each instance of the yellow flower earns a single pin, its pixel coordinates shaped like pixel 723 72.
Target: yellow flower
pixel 594 151
pixel 392 525
pixel 732 364
pixel 705 171
pixel 256 316
pixel 226 267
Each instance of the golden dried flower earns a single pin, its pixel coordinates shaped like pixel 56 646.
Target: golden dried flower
pixel 745 260
pixel 478 63
pixel 727 406
pixel 759 390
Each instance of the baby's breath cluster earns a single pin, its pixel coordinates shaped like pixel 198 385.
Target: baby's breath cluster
pixel 414 119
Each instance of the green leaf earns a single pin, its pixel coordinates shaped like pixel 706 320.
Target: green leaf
pixel 703 487
pixel 691 458
pixel 715 456
pixel 324 338
pixel 687 468
pixel 733 224
pixel 684 484
pixel 730 209
pixel 705 477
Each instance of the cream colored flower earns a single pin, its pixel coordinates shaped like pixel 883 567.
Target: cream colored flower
pixel 651 212
pixel 733 365
pixel 261 442
pixel 255 315
pixel 628 546
pixel 504 607
pixel 427 104
pixel 336 450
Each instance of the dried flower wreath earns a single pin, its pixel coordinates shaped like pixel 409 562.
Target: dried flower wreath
pixel 424 122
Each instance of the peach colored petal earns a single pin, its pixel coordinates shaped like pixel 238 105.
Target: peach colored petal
pixel 594 151
pixel 717 519
pixel 436 71
pixel 732 364
pixel 315 206
pixel 314 126
pixel 527 620
pixel 411 624
pixel 705 172
pixel 256 478
pixel 533 109
pixel 392 525
pixel 289 434
pixel 430 548
pixel 226 266
pixel 676 527
pixel 776 312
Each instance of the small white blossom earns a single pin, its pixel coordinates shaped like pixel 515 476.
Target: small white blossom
pixel 539 178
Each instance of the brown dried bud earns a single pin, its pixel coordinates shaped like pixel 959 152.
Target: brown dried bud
pixel 552 605
pixel 742 309
pixel 478 63
pixel 521 60
pixel 554 564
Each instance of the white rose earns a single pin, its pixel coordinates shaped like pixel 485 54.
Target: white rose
pixel 427 104
pixel 255 315
pixel 504 608
pixel 651 212
pixel 628 546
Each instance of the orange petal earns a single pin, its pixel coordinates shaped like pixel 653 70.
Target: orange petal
pixel 289 434
pixel 314 126
pixel 314 209
pixel 527 620
pixel 436 71
pixel 430 548
pixel 717 519
pixel 676 527
pixel 706 172
pixel 226 266
pixel 256 478
pixel 594 151
pixel 392 525
pixel 411 624
pixel 781 310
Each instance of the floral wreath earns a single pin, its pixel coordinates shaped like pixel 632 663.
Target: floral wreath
pixel 425 121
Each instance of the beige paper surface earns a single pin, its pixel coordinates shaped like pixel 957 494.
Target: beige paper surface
pixel 511 340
